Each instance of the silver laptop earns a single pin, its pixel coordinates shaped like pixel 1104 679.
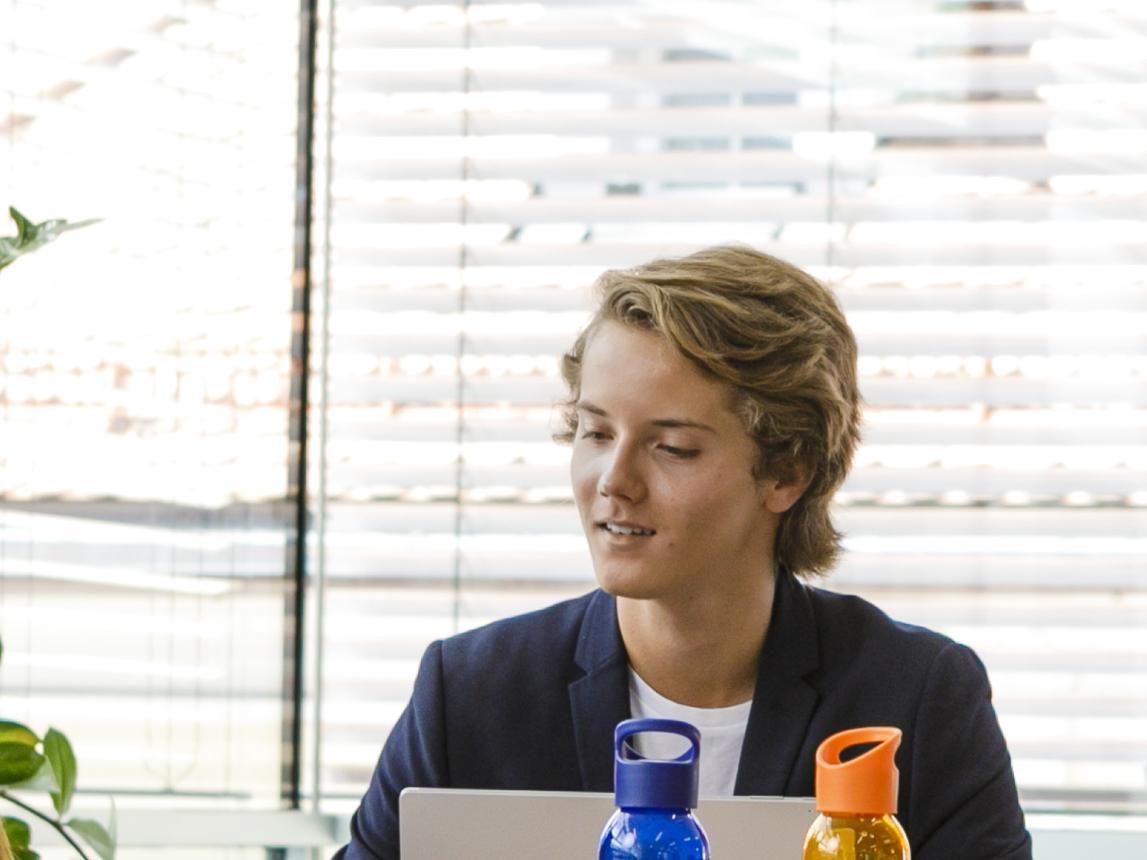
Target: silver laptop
pixel 448 823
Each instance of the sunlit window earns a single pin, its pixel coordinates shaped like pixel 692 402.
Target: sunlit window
pixel 143 388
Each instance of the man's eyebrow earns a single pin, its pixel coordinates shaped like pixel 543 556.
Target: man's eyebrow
pixel 683 422
pixel 587 406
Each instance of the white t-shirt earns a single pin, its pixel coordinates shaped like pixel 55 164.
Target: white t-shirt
pixel 722 734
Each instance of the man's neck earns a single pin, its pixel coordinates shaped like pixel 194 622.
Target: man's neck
pixel 701 652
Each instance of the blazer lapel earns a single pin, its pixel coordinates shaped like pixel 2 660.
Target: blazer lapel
pixel 783 702
pixel 599 700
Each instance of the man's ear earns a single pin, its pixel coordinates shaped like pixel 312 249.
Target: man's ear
pixel 784 485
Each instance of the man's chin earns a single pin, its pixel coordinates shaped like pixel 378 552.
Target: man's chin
pixel 629 585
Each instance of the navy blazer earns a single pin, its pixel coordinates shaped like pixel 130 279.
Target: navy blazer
pixel 531 703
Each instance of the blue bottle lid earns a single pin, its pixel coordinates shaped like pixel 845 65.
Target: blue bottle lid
pixel 641 783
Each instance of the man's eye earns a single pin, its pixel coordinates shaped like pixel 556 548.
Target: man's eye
pixel 680 453
pixel 592 434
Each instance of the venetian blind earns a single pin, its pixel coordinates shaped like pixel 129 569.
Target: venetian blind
pixel 971 179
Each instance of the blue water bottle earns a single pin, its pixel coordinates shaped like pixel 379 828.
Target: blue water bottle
pixel 654 797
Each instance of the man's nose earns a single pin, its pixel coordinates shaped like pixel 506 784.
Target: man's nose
pixel 621 476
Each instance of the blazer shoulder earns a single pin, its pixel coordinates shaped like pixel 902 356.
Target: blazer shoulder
pixel 850 625
pixel 543 636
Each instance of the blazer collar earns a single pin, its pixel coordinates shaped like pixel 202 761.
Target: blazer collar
pixel 783 701
pixel 599 700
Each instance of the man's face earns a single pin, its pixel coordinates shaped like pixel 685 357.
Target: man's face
pixel 662 473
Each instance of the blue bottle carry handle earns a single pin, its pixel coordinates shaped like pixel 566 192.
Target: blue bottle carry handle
pixel 628 728
pixel 641 783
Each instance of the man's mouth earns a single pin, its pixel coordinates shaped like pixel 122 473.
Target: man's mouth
pixel 625 529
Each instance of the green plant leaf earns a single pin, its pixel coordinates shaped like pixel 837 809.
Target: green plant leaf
pixel 23 225
pixel 31 236
pixel 18 762
pixel 19 835
pixel 58 752
pixel 18 832
pixel 95 835
pixel 17 733
pixel 44 779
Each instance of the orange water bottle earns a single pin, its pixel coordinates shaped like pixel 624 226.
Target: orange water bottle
pixel 857 799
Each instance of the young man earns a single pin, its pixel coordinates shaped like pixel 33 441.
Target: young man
pixel 713 413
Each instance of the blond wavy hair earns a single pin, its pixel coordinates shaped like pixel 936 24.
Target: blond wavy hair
pixel 779 339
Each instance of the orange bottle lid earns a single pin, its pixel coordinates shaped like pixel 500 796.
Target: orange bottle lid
pixel 868 784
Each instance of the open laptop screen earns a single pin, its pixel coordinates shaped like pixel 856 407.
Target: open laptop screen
pixel 441 824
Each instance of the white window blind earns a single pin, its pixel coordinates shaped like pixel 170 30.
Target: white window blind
pixel 971 179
